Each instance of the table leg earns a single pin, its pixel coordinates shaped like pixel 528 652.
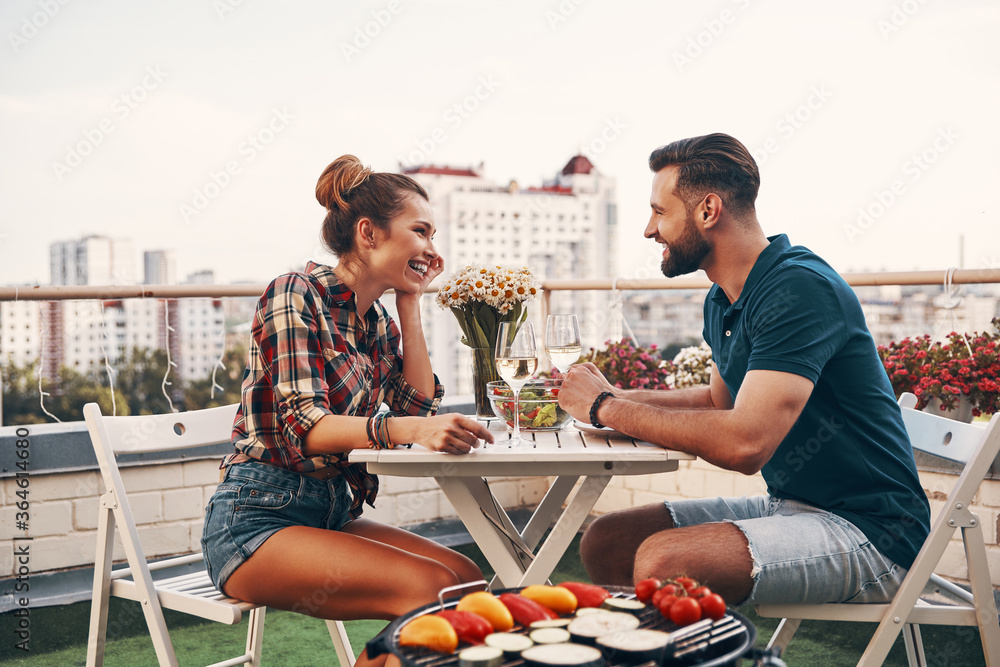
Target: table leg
pixel 548 510
pixel 470 496
pixel 577 510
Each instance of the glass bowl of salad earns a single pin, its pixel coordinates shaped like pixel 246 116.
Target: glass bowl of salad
pixel 538 405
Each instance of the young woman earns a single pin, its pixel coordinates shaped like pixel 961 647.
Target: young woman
pixel 284 527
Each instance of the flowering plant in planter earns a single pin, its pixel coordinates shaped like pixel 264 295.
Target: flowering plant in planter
pixel 629 366
pixel 693 366
pixel 964 366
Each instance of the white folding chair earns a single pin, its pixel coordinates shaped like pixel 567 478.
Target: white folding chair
pixel 976 448
pixel 190 593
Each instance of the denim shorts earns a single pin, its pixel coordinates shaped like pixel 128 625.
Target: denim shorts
pixel 256 500
pixel 801 554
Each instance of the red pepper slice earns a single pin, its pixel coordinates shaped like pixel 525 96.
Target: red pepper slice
pixel 525 611
pixel 587 595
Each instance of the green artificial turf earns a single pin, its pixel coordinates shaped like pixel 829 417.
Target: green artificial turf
pixel 59 635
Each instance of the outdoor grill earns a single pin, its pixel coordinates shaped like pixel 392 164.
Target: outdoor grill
pixel 707 643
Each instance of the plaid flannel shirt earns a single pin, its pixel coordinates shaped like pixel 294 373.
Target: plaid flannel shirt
pixel 312 354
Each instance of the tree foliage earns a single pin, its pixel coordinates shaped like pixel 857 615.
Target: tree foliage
pixel 138 389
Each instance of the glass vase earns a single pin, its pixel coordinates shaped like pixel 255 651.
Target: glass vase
pixel 483 370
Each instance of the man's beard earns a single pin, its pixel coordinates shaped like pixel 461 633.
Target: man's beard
pixel 687 252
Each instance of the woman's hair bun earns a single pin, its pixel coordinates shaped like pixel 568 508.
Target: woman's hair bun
pixel 337 181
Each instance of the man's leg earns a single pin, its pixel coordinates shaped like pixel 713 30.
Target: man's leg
pixel 624 547
pixel 609 545
pixel 715 554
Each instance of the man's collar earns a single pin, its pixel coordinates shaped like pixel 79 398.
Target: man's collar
pixel 776 247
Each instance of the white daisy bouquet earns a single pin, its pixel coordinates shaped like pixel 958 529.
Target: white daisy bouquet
pixel 484 296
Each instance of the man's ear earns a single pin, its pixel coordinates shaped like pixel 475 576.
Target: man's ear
pixel 709 210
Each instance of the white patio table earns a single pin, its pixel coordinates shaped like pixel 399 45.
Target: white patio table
pixel 565 455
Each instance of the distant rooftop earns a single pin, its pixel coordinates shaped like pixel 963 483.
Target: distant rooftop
pixel 578 164
pixel 441 171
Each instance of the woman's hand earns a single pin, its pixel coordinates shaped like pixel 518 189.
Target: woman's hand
pixel 451 433
pixel 435 268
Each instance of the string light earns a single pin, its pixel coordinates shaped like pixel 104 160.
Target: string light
pixel 219 363
pixel 952 300
pixel 41 364
pixel 166 340
pixel 107 364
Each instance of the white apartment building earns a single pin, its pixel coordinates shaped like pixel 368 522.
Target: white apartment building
pixel 92 260
pixel 565 228
pixel 20 331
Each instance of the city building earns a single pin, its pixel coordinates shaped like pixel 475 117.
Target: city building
pixel 159 267
pixel 86 335
pixel 564 228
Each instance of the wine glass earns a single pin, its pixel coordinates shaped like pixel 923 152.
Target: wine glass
pixel 562 340
pixel 516 361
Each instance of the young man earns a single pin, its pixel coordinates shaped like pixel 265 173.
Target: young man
pixel 797 392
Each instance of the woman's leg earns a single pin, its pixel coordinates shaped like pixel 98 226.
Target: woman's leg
pixel 463 567
pixel 349 574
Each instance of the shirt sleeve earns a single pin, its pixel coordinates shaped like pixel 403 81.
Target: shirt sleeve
pixel 798 327
pixel 294 356
pixel 400 396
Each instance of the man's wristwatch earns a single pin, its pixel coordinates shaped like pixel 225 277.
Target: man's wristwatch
pixel 597 404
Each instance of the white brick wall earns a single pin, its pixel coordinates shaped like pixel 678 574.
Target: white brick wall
pixel 168 502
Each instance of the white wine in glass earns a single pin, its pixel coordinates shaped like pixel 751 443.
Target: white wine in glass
pixel 516 370
pixel 516 361
pixel 562 340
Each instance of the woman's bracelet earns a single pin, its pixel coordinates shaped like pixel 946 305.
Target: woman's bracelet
pixel 597 404
pixel 378 431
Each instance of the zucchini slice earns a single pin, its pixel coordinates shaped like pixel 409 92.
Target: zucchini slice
pixel 563 655
pixel 480 656
pixel 510 643
pixel 634 646
pixel 586 629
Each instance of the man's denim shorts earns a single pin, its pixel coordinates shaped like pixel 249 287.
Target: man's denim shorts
pixel 256 500
pixel 801 554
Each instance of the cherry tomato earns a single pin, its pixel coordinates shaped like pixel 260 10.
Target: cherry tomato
pixel 700 592
pixel 687 582
pixel 669 589
pixel 713 606
pixel 644 589
pixel 667 603
pixel 555 391
pixel 685 611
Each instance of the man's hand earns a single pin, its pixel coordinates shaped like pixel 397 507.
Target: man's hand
pixel 581 386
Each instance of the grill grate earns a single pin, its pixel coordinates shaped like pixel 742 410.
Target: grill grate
pixel 706 642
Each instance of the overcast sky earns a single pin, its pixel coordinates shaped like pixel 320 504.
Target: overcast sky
pixel 202 125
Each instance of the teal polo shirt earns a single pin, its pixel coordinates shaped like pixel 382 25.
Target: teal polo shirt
pixel 848 452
